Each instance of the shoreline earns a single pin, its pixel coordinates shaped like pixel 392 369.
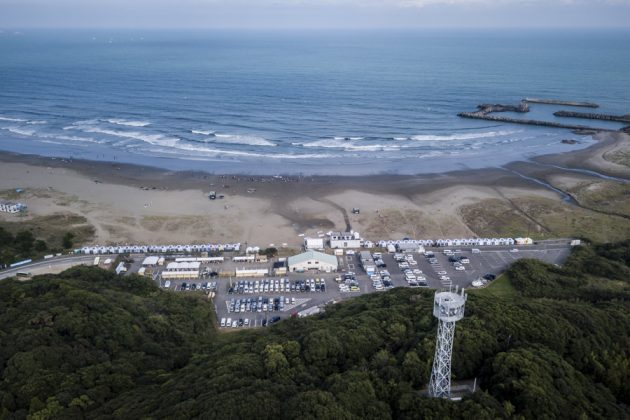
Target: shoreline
pixel 131 203
pixel 585 158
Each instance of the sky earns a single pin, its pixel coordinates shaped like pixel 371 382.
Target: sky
pixel 314 14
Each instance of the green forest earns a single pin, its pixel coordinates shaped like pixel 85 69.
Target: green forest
pixel 543 342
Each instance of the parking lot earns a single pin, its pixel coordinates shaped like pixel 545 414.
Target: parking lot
pixel 256 302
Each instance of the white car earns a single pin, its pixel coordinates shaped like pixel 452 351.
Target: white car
pixel 442 273
pixel 445 278
pixel 476 251
pixel 460 268
pixel 167 284
pixel 514 250
pixel 223 322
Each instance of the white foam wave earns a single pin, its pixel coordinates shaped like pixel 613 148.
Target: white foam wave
pixel 242 139
pixel 33 133
pixel 346 145
pixel 210 152
pixel 348 138
pixel 461 136
pixel 203 132
pixel 156 139
pixel 21 131
pixel 128 123
pixel 11 119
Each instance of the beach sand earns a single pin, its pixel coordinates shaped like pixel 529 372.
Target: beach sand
pixel 135 204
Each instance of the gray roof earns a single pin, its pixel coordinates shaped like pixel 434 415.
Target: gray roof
pixel 312 255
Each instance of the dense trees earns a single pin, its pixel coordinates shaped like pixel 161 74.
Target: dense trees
pixel 72 342
pixel 89 344
pixel 22 245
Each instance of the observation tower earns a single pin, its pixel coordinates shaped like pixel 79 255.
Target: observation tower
pixel 448 308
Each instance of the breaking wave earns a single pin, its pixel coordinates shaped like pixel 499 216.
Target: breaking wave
pixel 203 132
pixel 89 126
pixel 11 119
pixel 460 136
pixel 128 123
pixel 21 131
pixel 242 139
pixel 347 145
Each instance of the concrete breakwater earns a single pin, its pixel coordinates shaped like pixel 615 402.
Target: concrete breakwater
pixel 559 102
pixel 484 112
pixel 593 116
pixel 482 116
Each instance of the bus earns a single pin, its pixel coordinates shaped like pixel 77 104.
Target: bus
pixel 23 274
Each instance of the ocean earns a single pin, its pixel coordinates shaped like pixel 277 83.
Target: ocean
pixel 290 102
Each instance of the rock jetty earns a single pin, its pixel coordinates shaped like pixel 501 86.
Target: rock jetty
pixel 558 102
pixel 485 111
pixel 592 116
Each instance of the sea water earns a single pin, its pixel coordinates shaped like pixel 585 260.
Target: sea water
pixel 313 102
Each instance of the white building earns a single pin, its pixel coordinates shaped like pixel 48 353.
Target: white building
pixel 181 270
pixel 345 240
pixel 150 261
pixel 313 260
pixel 10 207
pixel 313 243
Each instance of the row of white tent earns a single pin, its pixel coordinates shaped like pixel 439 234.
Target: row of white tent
pixel 459 242
pixel 138 249
pixel 423 242
pixel 475 242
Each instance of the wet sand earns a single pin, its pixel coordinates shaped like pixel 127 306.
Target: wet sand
pixel 136 204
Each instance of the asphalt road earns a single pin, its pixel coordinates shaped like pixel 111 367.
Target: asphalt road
pixel 50 265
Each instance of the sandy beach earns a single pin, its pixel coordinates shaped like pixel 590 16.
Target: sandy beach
pixel 135 204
